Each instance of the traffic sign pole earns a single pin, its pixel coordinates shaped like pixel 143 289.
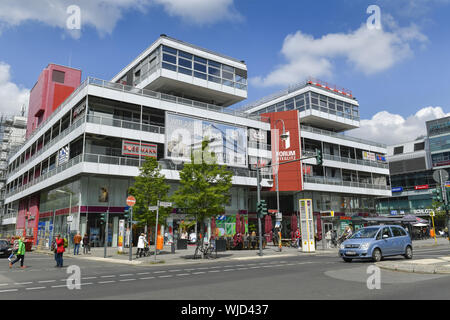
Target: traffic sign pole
pixel 130 251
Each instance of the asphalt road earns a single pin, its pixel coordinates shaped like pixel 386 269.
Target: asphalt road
pixel 322 277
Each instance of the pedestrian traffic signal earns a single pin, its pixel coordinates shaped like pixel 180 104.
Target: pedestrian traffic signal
pixel 319 157
pixel 262 208
pixel 103 217
pixel 437 194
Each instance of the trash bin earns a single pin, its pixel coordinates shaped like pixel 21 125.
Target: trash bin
pixel 182 244
pixel 221 245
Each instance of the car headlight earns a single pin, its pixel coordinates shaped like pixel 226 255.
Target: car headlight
pixel 342 246
pixel 365 246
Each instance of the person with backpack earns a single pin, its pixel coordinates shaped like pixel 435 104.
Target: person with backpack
pixel 59 251
pixel 20 253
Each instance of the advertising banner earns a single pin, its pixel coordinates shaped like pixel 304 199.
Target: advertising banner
pixel 369 156
pixel 307 225
pixel 185 134
pixel 63 155
pixel 121 235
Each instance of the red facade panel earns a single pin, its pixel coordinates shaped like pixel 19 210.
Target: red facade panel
pixel 289 174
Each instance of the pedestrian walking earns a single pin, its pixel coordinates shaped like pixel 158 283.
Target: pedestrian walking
pixel 328 237
pixel 59 251
pixel 20 253
pixel 86 247
pixel 297 238
pixel 76 242
pixel 141 245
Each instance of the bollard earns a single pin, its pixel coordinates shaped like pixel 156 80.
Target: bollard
pixel 172 247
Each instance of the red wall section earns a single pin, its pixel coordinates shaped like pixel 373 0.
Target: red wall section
pixel 61 92
pixel 289 174
pixel 47 95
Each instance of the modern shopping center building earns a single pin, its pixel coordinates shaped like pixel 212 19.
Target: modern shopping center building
pixel 317 116
pixel 86 141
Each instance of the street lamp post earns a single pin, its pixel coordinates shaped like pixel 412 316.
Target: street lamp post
pixel 284 136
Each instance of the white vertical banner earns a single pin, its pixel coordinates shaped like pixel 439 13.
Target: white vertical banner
pixel 307 225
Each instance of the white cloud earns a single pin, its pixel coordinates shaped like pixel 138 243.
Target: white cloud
pixel 201 11
pixel 103 15
pixel 390 129
pixel 367 50
pixel 12 97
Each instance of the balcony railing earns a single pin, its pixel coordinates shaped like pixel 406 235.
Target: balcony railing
pixel 175 99
pixel 124 124
pixel 340 136
pixel 356 161
pixel 141 92
pixel 49 144
pixel 339 182
pixel 121 161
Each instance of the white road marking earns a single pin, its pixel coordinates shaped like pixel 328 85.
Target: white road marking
pixel 201 272
pixel 110 281
pixel 163 271
pixel 183 274
pixel 126 275
pixel 143 273
pixel 146 278
pixel 164 276
pixel 87 278
pixel 35 288
pixel 46 281
pixel 107 276
pixel 9 290
pixel 22 283
pixel 123 280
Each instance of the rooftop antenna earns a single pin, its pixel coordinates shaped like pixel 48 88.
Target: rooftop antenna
pixel 22 112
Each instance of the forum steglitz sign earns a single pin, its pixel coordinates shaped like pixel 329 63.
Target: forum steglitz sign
pixel 185 135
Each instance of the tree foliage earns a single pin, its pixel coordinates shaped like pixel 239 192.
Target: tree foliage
pixel 204 186
pixel 149 187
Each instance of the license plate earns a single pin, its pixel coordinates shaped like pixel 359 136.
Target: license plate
pixel 350 253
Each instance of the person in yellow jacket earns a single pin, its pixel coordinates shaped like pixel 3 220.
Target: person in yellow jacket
pixel 20 253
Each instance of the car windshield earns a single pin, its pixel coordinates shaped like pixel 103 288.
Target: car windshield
pixel 3 243
pixel 365 233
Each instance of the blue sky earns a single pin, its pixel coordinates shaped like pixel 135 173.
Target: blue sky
pixel 400 74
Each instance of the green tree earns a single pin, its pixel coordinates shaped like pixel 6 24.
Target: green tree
pixel 148 188
pixel 204 187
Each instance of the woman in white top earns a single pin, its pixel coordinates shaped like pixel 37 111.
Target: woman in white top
pixel 141 245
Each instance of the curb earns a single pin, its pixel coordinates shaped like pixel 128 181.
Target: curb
pixel 415 268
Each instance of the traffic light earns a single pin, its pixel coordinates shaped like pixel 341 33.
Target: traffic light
pixel 126 213
pixel 103 217
pixel 319 157
pixel 437 194
pixel 262 208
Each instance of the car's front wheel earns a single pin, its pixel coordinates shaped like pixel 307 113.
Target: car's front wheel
pixel 408 253
pixel 376 255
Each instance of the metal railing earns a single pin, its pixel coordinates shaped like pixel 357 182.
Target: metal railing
pixel 339 136
pixel 339 182
pixel 121 161
pixel 175 99
pixel 356 161
pixel 141 92
pixel 124 124
pixel 46 175
pixel 49 144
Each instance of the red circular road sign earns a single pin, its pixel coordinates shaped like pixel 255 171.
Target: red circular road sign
pixel 131 201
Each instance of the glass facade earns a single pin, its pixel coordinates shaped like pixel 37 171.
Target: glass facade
pixel 315 101
pixel 192 65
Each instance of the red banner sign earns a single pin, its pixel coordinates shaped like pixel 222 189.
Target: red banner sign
pixel 133 148
pixel 425 186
